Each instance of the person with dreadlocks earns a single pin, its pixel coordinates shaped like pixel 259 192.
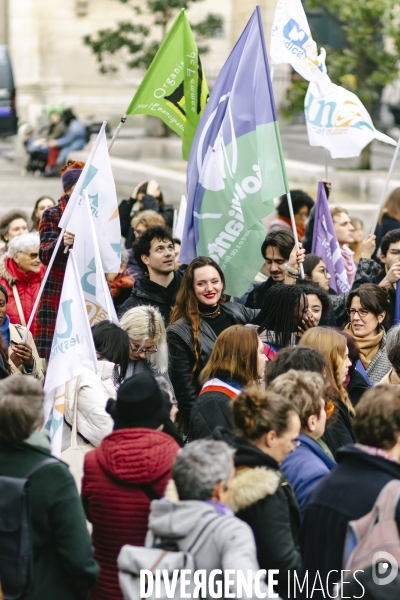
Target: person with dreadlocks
pixel 197 319
pixel 284 317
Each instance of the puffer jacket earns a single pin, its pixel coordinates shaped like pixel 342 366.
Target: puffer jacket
pixel 93 423
pixel 114 501
pixel 27 285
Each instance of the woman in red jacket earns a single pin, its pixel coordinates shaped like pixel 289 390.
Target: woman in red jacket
pixel 129 468
pixel 21 273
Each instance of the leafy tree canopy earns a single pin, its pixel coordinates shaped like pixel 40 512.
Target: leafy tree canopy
pixel 134 42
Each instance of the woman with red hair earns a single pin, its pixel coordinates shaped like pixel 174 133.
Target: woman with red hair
pixel 49 234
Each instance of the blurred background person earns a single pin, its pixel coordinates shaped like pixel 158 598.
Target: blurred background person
pixel 121 283
pixel 302 204
pixel 389 218
pixel 358 235
pixel 41 204
pixel 12 224
pixel 74 138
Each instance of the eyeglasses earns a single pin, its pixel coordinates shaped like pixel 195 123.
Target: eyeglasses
pixel 362 312
pixel 324 271
pixel 140 350
pixel 32 255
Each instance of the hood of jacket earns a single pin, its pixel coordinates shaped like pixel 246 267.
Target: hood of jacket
pixel 179 520
pixel 257 474
pixel 361 458
pixel 12 274
pixel 136 455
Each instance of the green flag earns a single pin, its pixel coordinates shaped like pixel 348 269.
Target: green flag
pixel 174 87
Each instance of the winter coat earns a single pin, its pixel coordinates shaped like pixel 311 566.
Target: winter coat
pixel 182 359
pixel 305 468
pixel 17 333
pixel 347 493
pixel 212 408
pixel 48 307
pixel 115 504
pixel 27 285
pixel 387 224
pixel 339 430
pixel 64 567
pixel 93 423
pixel 227 543
pixel 148 293
pixel 264 499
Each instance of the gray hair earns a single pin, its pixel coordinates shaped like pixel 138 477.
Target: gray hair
pixel 21 408
pixel 146 323
pixel 393 347
pixel 23 243
pixel 124 256
pixel 199 466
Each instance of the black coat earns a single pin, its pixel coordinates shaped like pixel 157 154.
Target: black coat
pixel 147 292
pixel 340 432
pixel 347 493
pixel 182 359
pixel 356 387
pixel 264 499
pixel 388 224
pixel 210 410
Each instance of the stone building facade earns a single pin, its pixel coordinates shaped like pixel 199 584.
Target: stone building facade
pixel 52 65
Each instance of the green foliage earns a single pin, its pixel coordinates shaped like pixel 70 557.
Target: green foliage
pixel 131 42
pixel 368 60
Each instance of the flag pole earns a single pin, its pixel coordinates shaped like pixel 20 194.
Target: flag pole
pixel 385 188
pixel 99 264
pixel 44 281
pixel 296 238
pixel 82 299
pixel 116 132
pixel 326 164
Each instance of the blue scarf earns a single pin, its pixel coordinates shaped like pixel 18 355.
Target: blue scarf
pixel 5 330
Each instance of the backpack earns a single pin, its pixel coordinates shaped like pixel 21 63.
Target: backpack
pixel 163 556
pixel 372 548
pixel 16 556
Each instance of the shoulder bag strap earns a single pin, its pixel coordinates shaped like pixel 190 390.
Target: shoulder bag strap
pixel 19 305
pixel 74 432
pixel 39 465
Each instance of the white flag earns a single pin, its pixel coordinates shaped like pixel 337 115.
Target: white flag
pixel 96 293
pixel 338 121
pixel 72 351
pixel 180 221
pixel 291 41
pixel 97 179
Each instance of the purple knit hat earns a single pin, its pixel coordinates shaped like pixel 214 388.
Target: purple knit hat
pixel 70 178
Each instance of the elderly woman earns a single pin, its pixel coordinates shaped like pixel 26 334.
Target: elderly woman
pixel 18 357
pixel 148 350
pixel 21 273
pixel 12 224
pixel 367 307
pixel 63 563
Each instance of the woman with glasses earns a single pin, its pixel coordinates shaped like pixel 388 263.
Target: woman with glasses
pixel 367 307
pixel 21 273
pixel 148 351
pixel 315 270
pixel 267 428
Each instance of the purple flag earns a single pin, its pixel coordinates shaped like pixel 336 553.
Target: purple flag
pixel 325 243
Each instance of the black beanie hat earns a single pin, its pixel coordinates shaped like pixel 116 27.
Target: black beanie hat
pixel 139 403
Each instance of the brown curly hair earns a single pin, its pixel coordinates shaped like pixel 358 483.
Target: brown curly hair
pixel 377 422
pixel 256 412
pixel 186 304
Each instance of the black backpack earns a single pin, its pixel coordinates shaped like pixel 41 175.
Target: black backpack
pixel 16 556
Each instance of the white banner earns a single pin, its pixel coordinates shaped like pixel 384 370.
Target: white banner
pixel 97 179
pixel 292 43
pixel 72 351
pixel 338 121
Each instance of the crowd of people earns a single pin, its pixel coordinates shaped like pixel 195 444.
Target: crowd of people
pixel 269 421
